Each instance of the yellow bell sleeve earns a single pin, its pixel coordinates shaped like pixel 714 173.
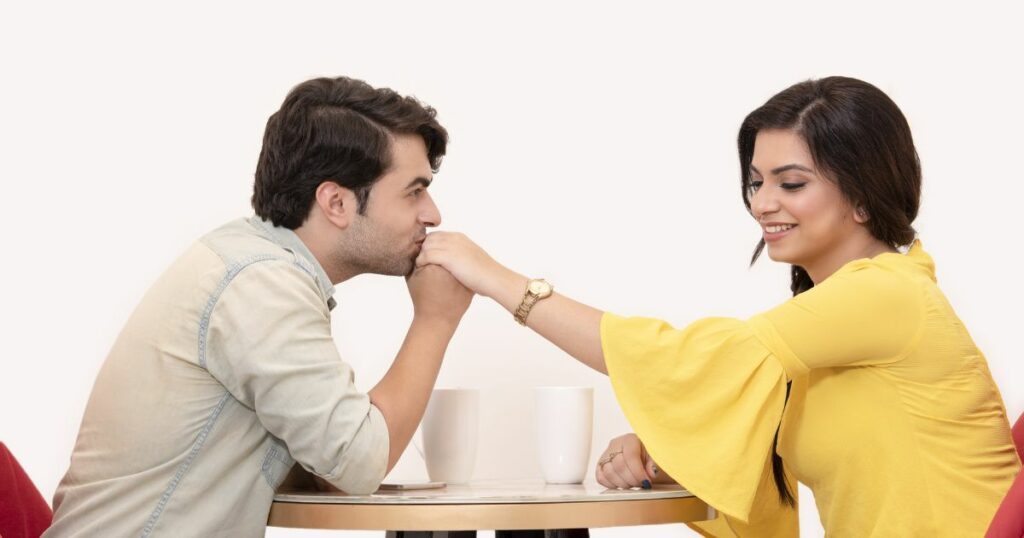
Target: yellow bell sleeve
pixel 706 402
pixel 864 314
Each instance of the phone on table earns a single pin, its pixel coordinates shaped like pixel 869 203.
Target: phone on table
pixel 410 486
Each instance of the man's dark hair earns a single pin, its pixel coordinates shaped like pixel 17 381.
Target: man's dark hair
pixel 339 130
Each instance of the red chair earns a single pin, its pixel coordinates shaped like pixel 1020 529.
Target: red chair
pixel 1009 519
pixel 23 512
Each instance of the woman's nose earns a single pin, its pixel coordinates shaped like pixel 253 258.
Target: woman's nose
pixel 763 203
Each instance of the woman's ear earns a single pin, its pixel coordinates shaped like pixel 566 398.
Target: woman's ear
pixel 860 215
pixel 337 204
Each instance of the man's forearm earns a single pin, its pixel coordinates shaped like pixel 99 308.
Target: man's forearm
pixel 402 394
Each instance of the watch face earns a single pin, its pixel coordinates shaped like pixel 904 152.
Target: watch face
pixel 539 287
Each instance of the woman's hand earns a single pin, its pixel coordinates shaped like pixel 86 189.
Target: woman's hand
pixel 466 261
pixel 626 464
pixel 572 326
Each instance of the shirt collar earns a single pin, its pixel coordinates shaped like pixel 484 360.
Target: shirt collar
pixel 923 260
pixel 290 241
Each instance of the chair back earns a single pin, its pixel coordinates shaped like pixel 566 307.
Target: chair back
pixel 23 511
pixel 1009 519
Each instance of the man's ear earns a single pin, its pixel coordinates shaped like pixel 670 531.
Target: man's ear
pixel 336 203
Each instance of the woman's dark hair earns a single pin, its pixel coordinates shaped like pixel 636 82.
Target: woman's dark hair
pixel 340 130
pixel 859 140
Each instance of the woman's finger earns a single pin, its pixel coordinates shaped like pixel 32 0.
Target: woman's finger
pixel 613 477
pixel 623 468
pixel 607 467
pixel 651 467
pixel 635 460
pixel 601 478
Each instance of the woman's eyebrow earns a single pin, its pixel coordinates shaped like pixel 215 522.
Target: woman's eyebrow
pixel 788 167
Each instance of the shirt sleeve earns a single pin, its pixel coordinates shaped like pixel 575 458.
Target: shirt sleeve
pixel 865 315
pixel 706 401
pixel 269 343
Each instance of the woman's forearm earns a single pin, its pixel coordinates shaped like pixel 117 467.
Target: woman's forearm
pixel 572 326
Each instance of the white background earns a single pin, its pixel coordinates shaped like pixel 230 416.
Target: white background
pixel 593 145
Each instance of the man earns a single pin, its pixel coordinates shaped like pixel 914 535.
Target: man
pixel 226 374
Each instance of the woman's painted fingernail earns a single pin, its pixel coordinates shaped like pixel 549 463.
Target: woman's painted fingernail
pixel 646 484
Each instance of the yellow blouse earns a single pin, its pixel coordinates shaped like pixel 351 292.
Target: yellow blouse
pixel 893 419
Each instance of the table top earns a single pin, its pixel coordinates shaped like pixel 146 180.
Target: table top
pixel 491 492
pixel 493 504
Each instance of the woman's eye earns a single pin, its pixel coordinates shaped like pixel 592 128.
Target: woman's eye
pixel 793 186
pixel 755 185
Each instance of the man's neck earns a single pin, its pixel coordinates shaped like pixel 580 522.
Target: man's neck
pixel 320 246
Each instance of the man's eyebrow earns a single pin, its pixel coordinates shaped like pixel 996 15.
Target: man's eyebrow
pixel 420 182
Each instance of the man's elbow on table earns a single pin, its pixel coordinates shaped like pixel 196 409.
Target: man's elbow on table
pixel 363 464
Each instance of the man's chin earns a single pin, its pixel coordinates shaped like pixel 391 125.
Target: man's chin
pixel 403 268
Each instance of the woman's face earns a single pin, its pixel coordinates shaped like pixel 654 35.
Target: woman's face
pixel 803 216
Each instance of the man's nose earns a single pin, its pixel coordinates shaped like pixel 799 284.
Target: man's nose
pixel 430 216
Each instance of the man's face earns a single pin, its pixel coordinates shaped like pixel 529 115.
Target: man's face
pixel 387 237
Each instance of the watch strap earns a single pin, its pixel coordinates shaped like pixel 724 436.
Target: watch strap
pixel 529 299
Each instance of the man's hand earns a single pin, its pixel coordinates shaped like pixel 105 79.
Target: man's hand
pixel 439 302
pixel 437 295
pixel 469 263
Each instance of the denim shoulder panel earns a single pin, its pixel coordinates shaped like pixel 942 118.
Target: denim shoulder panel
pixel 276 463
pixel 232 272
pixel 197 445
pixel 304 264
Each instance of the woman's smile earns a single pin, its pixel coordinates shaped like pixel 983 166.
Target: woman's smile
pixel 775 231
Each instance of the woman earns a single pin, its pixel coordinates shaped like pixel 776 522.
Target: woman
pixel 864 386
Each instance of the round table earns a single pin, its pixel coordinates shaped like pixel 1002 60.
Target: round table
pixel 509 507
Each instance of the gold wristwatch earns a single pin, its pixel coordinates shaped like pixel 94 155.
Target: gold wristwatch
pixel 536 290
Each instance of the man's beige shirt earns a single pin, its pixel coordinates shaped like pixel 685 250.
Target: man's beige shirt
pixel 224 376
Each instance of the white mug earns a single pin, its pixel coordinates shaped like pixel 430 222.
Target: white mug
pixel 450 425
pixel 565 424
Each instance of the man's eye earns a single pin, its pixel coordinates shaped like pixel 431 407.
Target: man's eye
pixel 416 193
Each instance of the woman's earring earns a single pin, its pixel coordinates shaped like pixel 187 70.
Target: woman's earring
pixel 862 213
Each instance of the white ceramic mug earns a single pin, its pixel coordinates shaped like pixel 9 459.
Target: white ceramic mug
pixel 565 424
pixel 450 427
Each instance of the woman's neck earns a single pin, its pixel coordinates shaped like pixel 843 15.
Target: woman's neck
pixel 832 260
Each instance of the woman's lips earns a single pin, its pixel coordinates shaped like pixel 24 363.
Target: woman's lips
pixel 779 231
